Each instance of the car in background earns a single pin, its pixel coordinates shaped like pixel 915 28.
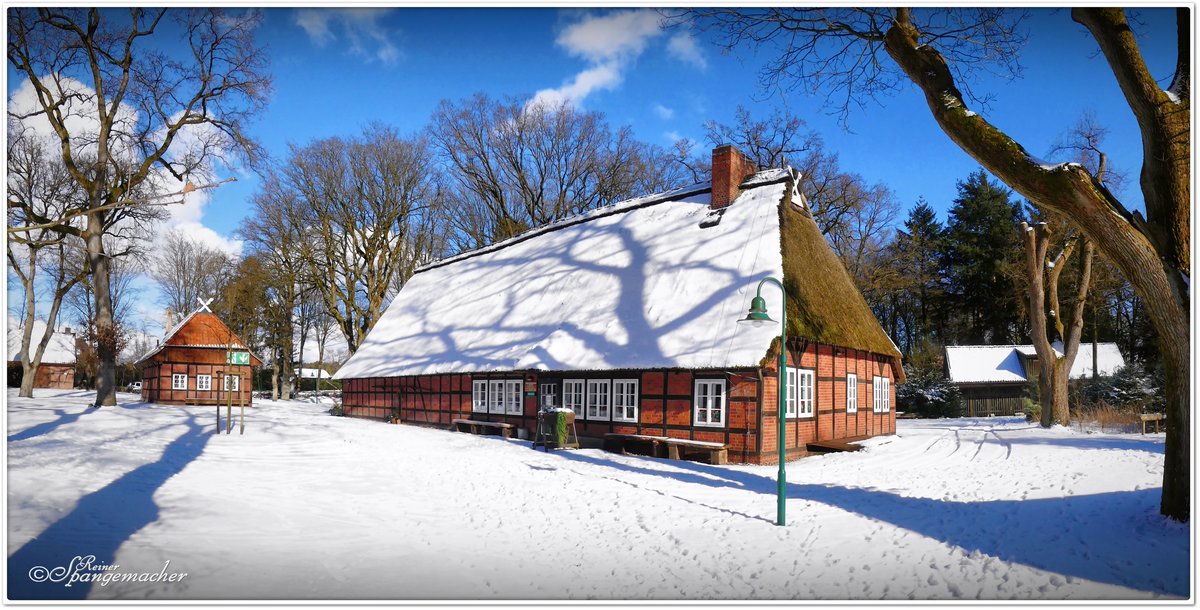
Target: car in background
pixel 135 387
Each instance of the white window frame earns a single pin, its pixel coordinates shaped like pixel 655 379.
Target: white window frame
pixel 702 403
pixel 548 391
pixel 599 410
pixel 573 396
pixel 513 388
pixel 496 396
pixel 479 389
pixel 204 383
pixel 851 393
pixel 792 393
pixel 625 400
pixel 235 379
pixel 806 383
pixel 179 381
pixel 883 394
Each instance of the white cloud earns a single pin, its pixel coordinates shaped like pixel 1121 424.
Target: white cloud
pixel 683 47
pixel 200 233
pixel 605 76
pixel 601 38
pixel 362 30
pixel 663 112
pixel 672 136
pixel 609 42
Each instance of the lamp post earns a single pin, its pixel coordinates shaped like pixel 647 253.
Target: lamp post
pixel 758 317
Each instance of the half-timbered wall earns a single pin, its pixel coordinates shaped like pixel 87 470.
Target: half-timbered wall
pixel 666 402
pixel 832 418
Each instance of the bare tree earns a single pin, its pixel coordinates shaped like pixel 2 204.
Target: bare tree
pixel 362 207
pixel 38 186
pixel 153 118
pixel 188 270
pixel 1054 371
pixel 855 53
pixel 515 166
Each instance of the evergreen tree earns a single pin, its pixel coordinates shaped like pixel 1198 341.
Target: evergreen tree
pixel 920 289
pixel 982 258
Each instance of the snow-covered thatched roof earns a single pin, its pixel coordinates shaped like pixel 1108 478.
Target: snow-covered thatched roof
pixel 1006 364
pixel 650 282
pixel 60 350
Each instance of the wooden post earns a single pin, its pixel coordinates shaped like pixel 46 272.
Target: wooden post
pixel 242 417
pixel 218 418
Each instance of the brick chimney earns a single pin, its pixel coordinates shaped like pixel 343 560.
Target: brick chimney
pixel 729 168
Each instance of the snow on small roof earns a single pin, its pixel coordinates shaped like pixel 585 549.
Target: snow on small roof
pixel 985 364
pixel 60 350
pixel 1002 363
pixel 311 373
pixel 639 284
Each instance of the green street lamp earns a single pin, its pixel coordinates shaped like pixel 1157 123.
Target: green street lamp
pixel 758 317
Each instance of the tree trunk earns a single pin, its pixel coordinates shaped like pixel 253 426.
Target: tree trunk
pixel 29 364
pixel 1058 392
pixel 106 388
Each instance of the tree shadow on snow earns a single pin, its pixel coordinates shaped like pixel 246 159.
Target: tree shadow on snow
pixel 1116 537
pixel 102 521
pixel 64 418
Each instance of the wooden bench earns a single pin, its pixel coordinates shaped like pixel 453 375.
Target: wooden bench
pixel 665 446
pixel 1157 418
pixel 475 426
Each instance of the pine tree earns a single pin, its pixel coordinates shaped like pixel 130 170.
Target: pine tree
pixel 982 258
pixel 917 249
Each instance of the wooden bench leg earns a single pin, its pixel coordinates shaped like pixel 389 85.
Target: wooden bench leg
pixel 672 451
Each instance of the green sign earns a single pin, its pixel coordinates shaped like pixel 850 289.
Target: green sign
pixel 238 358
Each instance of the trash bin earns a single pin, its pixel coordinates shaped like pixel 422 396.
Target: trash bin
pixel 554 427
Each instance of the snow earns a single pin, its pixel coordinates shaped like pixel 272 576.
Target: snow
pixel 312 373
pixel 310 506
pixel 1002 363
pixel 60 349
pixel 640 284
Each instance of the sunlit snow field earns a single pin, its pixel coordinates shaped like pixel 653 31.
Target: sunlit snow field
pixel 305 505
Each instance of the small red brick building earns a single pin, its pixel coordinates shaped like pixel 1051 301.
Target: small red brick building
pixel 200 359
pixel 628 316
pixel 57 368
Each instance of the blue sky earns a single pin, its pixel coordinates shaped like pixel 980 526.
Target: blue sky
pixel 336 70
pixel 395 65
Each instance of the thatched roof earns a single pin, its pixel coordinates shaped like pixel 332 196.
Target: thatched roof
pixel 823 302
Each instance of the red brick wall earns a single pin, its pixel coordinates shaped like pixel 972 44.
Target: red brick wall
pixel 831 419
pixel 665 401
pixel 54 376
pixel 156 382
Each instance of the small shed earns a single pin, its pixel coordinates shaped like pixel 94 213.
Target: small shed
pixel 993 378
pixel 57 369
pixel 199 359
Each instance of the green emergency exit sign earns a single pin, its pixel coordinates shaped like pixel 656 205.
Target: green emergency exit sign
pixel 238 358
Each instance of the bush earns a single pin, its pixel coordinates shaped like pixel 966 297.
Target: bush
pixel 336 410
pixel 1131 389
pixel 1032 408
pixel 928 394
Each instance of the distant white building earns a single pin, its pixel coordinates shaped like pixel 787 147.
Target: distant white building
pixel 312 373
pixel 992 378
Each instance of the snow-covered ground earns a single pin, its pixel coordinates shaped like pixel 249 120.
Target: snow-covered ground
pixel 306 505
